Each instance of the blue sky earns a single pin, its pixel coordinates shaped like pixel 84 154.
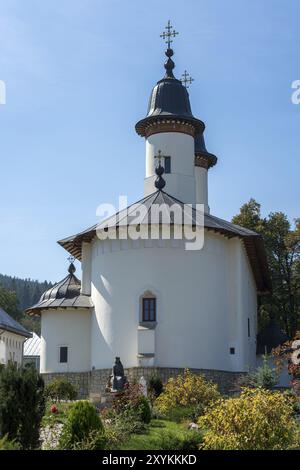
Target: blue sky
pixel 78 75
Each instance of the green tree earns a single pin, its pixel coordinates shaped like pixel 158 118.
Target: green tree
pixel 9 303
pixel 282 243
pixel 22 405
pixel 250 216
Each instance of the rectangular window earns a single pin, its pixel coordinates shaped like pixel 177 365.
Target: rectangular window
pixel 167 164
pixel 63 354
pixel 248 327
pixel 149 309
pixel 232 350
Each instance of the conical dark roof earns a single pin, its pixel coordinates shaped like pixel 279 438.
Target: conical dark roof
pixel 65 293
pixel 201 151
pixel 169 99
pixel 68 288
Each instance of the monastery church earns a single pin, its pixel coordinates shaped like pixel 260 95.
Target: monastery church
pixel 157 306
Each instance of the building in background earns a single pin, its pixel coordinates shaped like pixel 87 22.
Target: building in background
pixel 32 347
pixel 12 338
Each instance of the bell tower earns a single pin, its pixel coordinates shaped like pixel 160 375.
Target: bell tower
pixel 170 129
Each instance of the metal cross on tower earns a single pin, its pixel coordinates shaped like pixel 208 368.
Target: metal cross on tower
pixel 169 34
pixel 186 79
pixel 159 156
pixel 71 259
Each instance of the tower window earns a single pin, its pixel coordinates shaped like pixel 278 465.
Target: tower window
pixel 232 350
pixel 248 327
pixel 167 163
pixel 149 309
pixel 63 354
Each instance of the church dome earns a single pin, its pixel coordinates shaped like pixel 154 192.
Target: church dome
pixel 68 288
pixel 64 294
pixel 169 100
pixel 202 157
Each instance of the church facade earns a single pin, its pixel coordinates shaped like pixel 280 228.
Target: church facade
pixel 150 301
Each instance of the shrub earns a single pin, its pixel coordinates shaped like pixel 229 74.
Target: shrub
pixel 264 376
pixel 119 429
pixel 144 410
pixel 190 440
pixel 96 440
pixel 22 405
pixel 257 420
pixel 155 386
pixel 83 426
pixel 60 389
pixel 187 390
pixel 179 413
pixel 132 403
pixel 5 444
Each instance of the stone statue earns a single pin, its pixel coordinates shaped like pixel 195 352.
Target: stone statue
pixel 118 378
pixel 143 386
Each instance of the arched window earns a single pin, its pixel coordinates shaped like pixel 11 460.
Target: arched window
pixel 148 308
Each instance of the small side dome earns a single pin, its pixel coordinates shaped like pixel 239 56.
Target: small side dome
pixel 202 157
pixel 68 288
pixel 64 294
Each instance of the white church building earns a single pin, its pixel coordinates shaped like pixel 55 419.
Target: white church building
pixel 150 301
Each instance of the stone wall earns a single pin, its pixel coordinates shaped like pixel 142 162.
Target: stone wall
pixel 81 380
pixel 92 384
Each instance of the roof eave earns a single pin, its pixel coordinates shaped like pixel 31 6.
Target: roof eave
pixel 36 311
pixel 11 329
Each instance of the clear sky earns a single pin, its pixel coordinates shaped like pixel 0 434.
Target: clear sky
pixel 78 75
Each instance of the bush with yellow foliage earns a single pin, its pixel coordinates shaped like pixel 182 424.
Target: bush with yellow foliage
pixel 258 419
pixel 187 391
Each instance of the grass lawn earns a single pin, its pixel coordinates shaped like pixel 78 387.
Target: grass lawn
pixel 151 439
pixel 60 416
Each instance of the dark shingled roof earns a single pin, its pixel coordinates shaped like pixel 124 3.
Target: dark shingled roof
pixel 9 324
pixel 201 150
pixel 169 99
pixel 65 294
pixel 253 242
pixel 270 337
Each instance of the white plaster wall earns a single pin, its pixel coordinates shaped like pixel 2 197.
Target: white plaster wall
pixel 11 347
pixel 146 340
pixel 65 328
pixel 201 177
pixel 86 269
pixel 249 310
pixel 180 183
pixel 200 302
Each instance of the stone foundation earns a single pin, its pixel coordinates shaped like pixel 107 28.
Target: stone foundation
pixel 92 384
pixel 81 380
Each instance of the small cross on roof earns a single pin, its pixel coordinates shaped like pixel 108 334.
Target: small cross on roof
pixel 168 34
pixel 186 79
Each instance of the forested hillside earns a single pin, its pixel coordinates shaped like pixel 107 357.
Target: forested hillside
pixel 17 294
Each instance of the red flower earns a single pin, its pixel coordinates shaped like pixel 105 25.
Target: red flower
pixel 53 409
